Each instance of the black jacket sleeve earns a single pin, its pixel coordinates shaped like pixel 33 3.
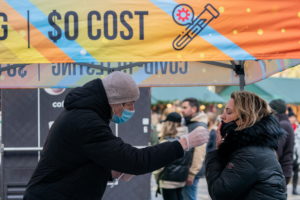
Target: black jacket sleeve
pixel 230 181
pixel 106 150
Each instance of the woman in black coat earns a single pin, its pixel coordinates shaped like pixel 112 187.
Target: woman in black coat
pixel 245 165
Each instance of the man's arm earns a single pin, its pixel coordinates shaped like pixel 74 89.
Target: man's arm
pixel 108 151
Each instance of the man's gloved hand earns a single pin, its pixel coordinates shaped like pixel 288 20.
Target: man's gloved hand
pixel 197 137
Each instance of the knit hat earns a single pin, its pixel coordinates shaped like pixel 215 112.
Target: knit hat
pixel 278 105
pixel 173 117
pixel 290 112
pixel 120 88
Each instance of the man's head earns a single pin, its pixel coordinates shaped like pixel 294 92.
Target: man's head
pixel 292 116
pixel 278 105
pixel 190 107
pixel 121 92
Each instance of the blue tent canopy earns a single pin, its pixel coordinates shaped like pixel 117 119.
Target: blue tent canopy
pixel 271 88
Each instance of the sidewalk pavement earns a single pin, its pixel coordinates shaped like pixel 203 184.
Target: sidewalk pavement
pixel 203 193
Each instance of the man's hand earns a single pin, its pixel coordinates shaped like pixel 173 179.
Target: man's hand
pixel 121 176
pixel 127 177
pixel 189 181
pixel 115 174
pixel 197 137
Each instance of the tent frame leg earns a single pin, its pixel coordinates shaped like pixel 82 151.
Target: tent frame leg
pixel 239 70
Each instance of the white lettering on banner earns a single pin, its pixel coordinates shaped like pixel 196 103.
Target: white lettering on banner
pixel 58 104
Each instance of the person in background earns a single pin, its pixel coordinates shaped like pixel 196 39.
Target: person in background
pixel 286 144
pixel 293 118
pixel 81 153
pixel 245 165
pixel 296 160
pixel 193 119
pixel 171 178
pixel 155 124
pixel 213 123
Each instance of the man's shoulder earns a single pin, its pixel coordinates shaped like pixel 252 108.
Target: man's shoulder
pixel 83 118
pixel 286 125
pixel 191 126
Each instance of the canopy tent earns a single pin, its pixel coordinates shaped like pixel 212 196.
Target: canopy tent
pixel 271 88
pixel 96 35
pixel 180 93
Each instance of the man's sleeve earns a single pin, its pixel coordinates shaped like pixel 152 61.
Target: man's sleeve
pixel 106 150
pixel 199 153
pixel 197 162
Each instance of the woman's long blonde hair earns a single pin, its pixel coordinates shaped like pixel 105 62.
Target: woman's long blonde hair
pixel 250 108
pixel 169 129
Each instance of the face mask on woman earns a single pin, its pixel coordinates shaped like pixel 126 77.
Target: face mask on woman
pixel 126 115
pixel 227 127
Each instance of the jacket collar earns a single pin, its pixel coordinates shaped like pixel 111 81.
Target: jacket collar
pixel 264 133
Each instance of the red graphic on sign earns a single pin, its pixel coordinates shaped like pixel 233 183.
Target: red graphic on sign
pixel 183 14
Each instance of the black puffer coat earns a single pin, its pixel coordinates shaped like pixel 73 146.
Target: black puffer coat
pixel 245 167
pixel 81 151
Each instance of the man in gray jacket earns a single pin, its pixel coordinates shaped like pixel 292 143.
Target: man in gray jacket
pixel 194 119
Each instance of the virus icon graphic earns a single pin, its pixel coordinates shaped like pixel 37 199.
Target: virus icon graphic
pixel 183 14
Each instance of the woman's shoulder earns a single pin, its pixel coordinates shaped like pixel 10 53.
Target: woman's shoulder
pixel 255 150
pixel 255 153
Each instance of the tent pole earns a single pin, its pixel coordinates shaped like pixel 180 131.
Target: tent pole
pixel 239 70
pixel 242 82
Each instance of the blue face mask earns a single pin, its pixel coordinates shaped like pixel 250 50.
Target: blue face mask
pixel 126 115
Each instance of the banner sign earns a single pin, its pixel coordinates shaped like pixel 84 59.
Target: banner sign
pixel 93 31
pixel 65 75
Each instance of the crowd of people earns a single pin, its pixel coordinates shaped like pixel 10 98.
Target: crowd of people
pixel 251 134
